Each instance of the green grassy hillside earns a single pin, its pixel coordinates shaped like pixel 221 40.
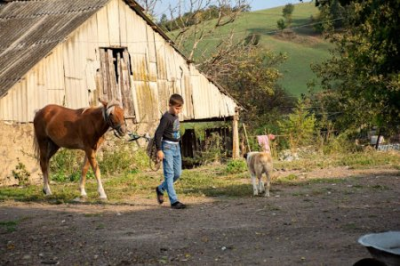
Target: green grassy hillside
pixel 305 48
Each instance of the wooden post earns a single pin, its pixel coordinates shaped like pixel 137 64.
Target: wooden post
pixel 377 139
pixel 235 133
pixel 247 138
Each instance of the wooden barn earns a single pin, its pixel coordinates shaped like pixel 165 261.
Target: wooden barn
pixel 70 52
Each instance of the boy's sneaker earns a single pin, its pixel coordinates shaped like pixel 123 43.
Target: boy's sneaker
pixel 178 205
pixel 160 196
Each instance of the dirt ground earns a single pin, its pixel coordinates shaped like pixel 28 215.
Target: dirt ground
pixel 316 223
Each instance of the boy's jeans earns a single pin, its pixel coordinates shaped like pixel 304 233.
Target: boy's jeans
pixel 172 167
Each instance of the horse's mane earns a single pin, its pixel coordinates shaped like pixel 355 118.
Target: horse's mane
pixel 109 105
pixel 85 109
pixel 109 108
pixel 113 102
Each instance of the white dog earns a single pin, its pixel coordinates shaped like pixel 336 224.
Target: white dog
pixel 259 163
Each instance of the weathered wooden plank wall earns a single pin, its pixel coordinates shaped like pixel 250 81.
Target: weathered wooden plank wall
pixel 148 71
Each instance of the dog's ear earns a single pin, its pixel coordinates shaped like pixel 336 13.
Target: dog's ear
pixel 245 155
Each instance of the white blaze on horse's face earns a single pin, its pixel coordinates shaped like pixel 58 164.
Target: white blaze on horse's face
pixel 116 119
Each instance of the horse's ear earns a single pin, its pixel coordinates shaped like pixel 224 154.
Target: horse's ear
pixel 103 102
pixel 114 102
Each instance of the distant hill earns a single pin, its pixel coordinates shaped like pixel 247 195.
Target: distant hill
pixel 304 48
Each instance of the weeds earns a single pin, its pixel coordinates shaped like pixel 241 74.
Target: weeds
pixel 127 159
pixel 380 187
pixel 326 180
pixel 128 180
pixel 93 215
pixel 358 160
pixel 288 178
pixel 21 174
pixel 236 166
pixel 66 165
pixel 9 226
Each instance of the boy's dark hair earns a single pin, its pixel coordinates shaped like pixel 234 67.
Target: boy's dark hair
pixel 176 100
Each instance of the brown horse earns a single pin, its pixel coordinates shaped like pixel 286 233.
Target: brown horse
pixel 56 126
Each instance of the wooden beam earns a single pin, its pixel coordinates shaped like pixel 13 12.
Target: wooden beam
pixel 247 138
pixel 235 133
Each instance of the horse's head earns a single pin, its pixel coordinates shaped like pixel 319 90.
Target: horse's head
pixel 114 116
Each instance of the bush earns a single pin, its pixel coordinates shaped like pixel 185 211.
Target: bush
pixel 66 165
pixel 341 144
pixel 132 159
pixel 21 174
pixel 236 166
pixel 299 127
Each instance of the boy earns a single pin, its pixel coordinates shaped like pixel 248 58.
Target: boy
pixel 167 139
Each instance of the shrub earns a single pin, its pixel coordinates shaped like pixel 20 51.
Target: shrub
pixel 21 174
pixel 66 165
pixel 131 159
pixel 341 144
pixel 236 166
pixel 299 127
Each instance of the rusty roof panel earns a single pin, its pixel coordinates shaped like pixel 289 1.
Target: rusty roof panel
pixel 29 30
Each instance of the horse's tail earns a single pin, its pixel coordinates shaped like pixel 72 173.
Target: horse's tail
pixel 35 146
pixel 35 139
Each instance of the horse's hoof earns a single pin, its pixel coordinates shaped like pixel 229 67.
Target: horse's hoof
pixel 45 193
pixel 102 198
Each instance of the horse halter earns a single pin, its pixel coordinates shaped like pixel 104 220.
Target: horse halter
pixel 116 127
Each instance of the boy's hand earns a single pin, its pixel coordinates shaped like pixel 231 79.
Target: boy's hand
pixel 160 155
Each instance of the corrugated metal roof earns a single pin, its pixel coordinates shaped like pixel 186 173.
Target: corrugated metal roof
pixel 29 30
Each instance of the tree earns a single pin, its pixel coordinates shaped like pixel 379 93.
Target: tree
pixel 201 19
pixel 164 23
pixel 149 6
pixel 287 12
pixel 250 75
pixel 281 24
pixel 299 126
pixel 365 65
pixel 286 21
pixel 247 71
pixel 332 16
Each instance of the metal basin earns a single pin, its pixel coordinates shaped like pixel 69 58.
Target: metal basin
pixel 383 246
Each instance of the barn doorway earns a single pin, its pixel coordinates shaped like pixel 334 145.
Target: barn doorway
pixel 115 73
pixel 204 143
